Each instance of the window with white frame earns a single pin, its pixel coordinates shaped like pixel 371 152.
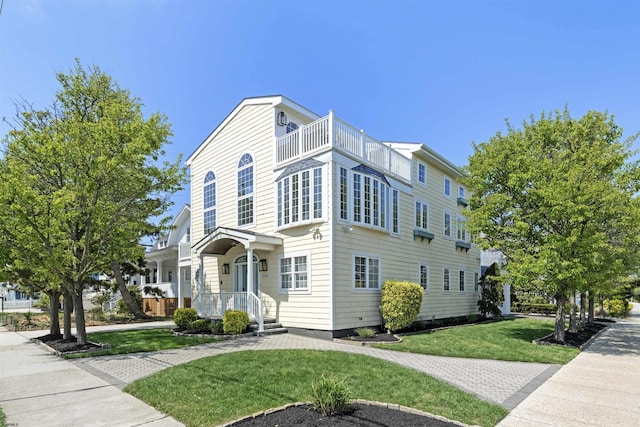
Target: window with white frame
pixel 422 173
pixel 446 279
pixel 366 272
pixel 476 280
pixel 447 224
pixel 370 196
pixel 209 202
pixel 344 195
pixel 422 215
pixel 299 200
pixel 245 190
pixel 291 126
pixel 424 276
pixel 395 212
pixel 461 229
pixel 447 186
pixel 461 191
pixel 294 273
pixel 461 280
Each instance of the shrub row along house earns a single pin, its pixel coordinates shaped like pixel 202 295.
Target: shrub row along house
pixel 301 218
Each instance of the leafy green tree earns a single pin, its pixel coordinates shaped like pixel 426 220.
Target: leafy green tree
pixel 492 297
pixel 559 198
pixel 82 179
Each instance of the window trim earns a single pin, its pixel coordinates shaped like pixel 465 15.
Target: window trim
pixel 461 191
pixel 476 281
pixel 368 257
pixel 460 219
pixel 448 270
pixel 284 200
pixel 444 224
pixel 291 256
pixel 444 186
pixel 214 207
pixel 395 215
pixel 252 195
pixel 415 206
pixel 421 182
pixel 426 285
pixel 462 283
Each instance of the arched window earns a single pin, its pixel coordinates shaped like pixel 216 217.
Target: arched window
pixel 245 190
pixel 209 202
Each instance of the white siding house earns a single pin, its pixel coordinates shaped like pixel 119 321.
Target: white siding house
pixel 326 213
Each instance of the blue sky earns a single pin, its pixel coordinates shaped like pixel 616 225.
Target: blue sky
pixel 445 73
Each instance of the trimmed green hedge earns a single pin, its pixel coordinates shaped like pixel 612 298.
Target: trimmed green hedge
pixel 525 307
pixel 200 325
pixel 183 317
pixel 400 304
pixel 234 322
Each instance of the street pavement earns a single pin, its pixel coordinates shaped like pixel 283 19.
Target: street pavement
pixel 535 390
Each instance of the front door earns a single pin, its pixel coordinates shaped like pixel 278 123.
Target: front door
pixel 240 275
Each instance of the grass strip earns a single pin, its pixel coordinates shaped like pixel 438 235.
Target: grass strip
pixel 226 387
pixel 137 341
pixel 503 340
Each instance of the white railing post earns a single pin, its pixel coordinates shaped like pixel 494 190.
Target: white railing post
pixel 331 139
pixel 300 145
pixel 223 303
pixel 363 152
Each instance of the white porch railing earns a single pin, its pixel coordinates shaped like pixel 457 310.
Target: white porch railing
pixel 214 304
pixel 332 132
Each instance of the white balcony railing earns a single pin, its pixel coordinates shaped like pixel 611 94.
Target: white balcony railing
pixel 331 132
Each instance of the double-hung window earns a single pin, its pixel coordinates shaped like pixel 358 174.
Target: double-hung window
pixel 461 280
pixel 476 280
pixel 344 194
pixel 299 198
pixel 422 173
pixel 395 212
pixel 294 273
pixel 447 224
pixel 446 279
pixel 422 215
pixel 461 192
pixel 447 186
pixel 424 276
pixel 461 229
pixel 245 190
pixel 366 272
pixel 209 202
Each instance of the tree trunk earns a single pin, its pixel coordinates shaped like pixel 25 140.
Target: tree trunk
pixel 54 317
pixel 558 333
pixel 68 309
pixel 583 316
pixel 126 295
pixel 573 323
pixel 592 307
pixel 601 303
pixel 81 329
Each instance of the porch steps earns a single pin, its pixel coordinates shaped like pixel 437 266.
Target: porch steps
pixel 270 327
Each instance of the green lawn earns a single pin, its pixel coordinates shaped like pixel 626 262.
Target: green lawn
pixel 222 388
pixel 136 341
pixel 503 340
pixel 2 419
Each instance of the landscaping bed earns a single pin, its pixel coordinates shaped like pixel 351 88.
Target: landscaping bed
pixel 361 414
pixel 576 339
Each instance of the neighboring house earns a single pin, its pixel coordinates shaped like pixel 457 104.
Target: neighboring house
pixel 168 267
pixel 324 213
pixel 11 297
pixel 491 256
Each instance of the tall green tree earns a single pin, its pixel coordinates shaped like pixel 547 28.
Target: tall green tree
pixel 559 198
pixel 83 178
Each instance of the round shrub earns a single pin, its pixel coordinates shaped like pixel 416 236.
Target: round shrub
pixel 616 307
pixel 400 304
pixel 216 326
pixel 234 322
pixel 184 316
pixel 200 325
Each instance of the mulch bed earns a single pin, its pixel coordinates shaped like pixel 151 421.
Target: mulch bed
pixel 363 415
pixel 577 340
pixel 66 346
pixel 377 338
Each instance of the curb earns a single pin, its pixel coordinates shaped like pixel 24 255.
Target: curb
pixel 365 343
pixel 51 350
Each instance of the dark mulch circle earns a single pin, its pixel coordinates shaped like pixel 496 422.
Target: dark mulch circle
pixel 377 338
pixel 65 346
pixel 362 415
pixel 572 339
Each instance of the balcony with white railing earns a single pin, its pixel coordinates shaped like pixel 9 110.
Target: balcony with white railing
pixel 330 132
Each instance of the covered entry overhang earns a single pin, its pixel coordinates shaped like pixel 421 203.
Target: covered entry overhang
pixel 220 240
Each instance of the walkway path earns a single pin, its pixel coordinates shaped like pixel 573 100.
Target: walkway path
pixel 600 387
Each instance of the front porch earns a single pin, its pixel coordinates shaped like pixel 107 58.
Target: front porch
pixel 236 257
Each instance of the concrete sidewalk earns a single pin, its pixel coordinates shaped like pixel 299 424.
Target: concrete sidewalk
pixel 40 389
pixel 600 387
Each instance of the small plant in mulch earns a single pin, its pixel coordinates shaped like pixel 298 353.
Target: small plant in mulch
pixel 365 332
pixel 330 396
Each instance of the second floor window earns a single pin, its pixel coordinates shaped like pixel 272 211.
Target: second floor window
pixel 299 200
pixel 422 173
pixel 422 215
pixel 447 187
pixel 209 202
pixel 245 190
pixel 447 224
pixel 461 229
pixel 370 197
